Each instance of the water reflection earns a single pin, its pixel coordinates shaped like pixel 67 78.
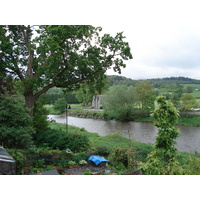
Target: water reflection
pixel 144 132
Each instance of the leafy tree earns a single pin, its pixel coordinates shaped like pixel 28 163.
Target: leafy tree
pixel 56 93
pixel 42 57
pixel 6 84
pixel 60 105
pixel 175 99
pixel 162 160
pixel 145 94
pixel 188 102
pixel 119 102
pixel 86 92
pixel 15 123
pixel 188 89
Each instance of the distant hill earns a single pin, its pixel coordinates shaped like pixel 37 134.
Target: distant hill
pixel 175 80
pixel 121 80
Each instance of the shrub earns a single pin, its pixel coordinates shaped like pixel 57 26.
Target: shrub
pixel 102 150
pixel 16 128
pixel 87 172
pixel 60 105
pixel 192 166
pixel 82 162
pixel 123 156
pixel 57 139
pixel 71 162
pixel 52 138
pixel 20 160
pixel 77 142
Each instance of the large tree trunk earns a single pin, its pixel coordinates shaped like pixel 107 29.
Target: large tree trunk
pixel 30 102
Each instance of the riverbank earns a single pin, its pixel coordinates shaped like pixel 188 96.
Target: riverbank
pixel 192 120
pixel 104 145
pixel 186 119
pixel 45 158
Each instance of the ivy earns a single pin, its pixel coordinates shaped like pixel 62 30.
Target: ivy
pixel 162 160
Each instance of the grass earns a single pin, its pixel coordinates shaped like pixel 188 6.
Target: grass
pixel 51 109
pixel 189 161
pixel 190 120
pixel 117 140
pixel 110 142
pixel 78 111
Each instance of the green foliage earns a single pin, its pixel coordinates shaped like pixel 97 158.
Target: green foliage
pixel 40 116
pixel 86 91
pixel 57 139
pixel 119 102
pixel 59 56
pixel 77 142
pixel 102 150
pixel 125 156
pixel 51 138
pixel 80 156
pixel 20 160
pixel 60 105
pixel 188 102
pixel 15 124
pixel 120 80
pixel 71 162
pixel 162 160
pixel 82 162
pixel 146 95
pixel 87 172
pixel 192 166
pixel 56 93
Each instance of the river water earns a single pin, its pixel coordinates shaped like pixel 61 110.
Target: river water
pixel 144 132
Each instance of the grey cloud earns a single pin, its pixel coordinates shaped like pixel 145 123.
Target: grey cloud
pixel 183 53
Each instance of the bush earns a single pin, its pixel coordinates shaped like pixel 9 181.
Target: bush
pixel 77 142
pixel 102 150
pixel 60 105
pixel 192 166
pixel 16 128
pixel 53 138
pixel 57 139
pixel 20 159
pixel 125 156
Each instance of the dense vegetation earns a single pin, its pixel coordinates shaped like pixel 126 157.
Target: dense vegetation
pixel 113 147
pixel 63 65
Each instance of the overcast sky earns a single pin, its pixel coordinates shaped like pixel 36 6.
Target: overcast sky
pixel 164 37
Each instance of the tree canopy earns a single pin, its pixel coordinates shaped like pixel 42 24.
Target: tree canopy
pixel 42 57
pixel 119 101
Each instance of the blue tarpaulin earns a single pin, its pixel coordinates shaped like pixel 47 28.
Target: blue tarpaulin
pixel 97 159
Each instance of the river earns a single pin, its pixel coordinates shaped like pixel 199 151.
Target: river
pixel 144 132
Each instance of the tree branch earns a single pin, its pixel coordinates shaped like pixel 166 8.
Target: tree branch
pixel 45 89
pixel 77 80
